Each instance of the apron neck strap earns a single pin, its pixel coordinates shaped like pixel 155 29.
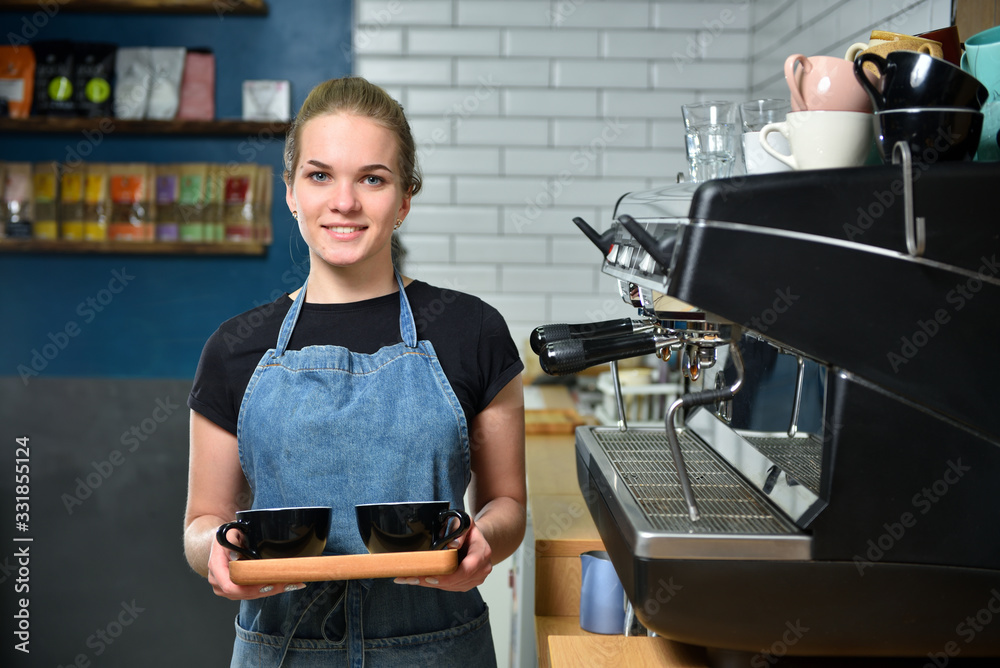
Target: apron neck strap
pixel 407 326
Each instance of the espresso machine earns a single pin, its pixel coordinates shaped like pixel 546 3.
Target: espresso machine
pixel 826 485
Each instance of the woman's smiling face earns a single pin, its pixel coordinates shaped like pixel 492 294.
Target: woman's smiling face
pixel 347 190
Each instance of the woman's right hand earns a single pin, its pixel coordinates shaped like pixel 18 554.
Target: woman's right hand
pixel 222 585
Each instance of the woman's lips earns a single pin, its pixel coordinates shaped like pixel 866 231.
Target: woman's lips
pixel 343 229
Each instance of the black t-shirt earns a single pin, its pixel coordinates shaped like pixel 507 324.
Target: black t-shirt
pixel 470 337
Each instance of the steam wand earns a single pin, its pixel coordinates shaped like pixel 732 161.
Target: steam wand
pixel 700 399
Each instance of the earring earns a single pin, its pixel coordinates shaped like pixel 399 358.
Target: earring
pixel 295 215
pixel 398 223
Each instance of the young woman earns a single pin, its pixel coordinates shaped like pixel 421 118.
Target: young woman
pixel 360 387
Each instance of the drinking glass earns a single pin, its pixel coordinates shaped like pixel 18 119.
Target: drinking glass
pixel 755 114
pixel 710 130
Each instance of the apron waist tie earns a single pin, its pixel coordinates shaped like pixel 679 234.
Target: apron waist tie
pixel 353 598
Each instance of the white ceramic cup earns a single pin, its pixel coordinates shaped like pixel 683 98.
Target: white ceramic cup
pixel 822 139
pixel 758 161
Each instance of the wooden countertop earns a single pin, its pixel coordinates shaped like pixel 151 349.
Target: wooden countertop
pixel 563 529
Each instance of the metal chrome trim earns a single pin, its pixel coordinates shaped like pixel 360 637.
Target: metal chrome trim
pixel 646 542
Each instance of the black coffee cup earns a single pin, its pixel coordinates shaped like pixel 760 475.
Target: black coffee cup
pixel 409 526
pixel 933 135
pixel 278 533
pixel 909 79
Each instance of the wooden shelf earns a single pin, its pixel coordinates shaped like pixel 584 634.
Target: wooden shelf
pixel 108 126
pixel 216 7
pixel 130 247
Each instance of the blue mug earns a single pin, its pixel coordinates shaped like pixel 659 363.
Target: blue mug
pixel 602 598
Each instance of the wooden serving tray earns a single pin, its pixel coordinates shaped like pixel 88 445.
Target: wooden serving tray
pixel 344 567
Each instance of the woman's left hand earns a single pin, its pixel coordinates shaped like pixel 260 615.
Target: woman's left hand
pixel 474 565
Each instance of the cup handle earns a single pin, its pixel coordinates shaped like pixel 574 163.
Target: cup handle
pixel 780 127
pixel 880 64
pixel 463 525
pixel 964 62
pixel 220 535
pixel 798 104
pixel 854 49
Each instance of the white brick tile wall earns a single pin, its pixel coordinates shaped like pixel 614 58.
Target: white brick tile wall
pixel 606 132
pixel 426 218
pixel 425 248
pixel 374 40
pixel 528 113
pixel 549 162
pixel 458 102
pixel 503 131
pixel 588 73
pixel 452 41
pixel 542 279
pixel 399 12
pixel 404 71
pixel 713 16
pixel 548 102
pixel 461 160
pixel 619 14
pixel 520 42
pixel 536 13
pixel 501 250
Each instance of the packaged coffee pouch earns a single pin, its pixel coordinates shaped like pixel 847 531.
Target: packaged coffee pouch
pixel 95 68
pixel 133 79
pixel 198 86
pixel 165 93
pixel 191 201
pixel 238 202
pixel 96 201
pixel 215 188
pixel 130 194
pixel 167 202
pixel 17 200
pixel 70 213
pixel 53 94
pixel 17 79
pixel 45 180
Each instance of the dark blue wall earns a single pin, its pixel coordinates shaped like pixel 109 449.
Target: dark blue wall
pixel 153 321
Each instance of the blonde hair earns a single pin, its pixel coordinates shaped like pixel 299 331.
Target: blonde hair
pixel 358 96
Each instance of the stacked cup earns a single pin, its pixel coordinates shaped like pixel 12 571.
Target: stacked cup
pixel 982 60
pixel 929 103
pixel 829 125
pixel 756 115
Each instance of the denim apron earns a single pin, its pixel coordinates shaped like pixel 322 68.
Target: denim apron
pixel 324 426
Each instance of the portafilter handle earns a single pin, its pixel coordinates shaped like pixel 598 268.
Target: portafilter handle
pixel 546 334
pixel 574 355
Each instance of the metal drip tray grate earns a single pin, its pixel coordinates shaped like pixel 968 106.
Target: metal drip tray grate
pixel 644 462
pixel 798 456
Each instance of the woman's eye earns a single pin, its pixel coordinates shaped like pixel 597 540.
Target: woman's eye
pixel 373 180
pixel 318 176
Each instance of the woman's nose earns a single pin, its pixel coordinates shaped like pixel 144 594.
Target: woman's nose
pixel 342 197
